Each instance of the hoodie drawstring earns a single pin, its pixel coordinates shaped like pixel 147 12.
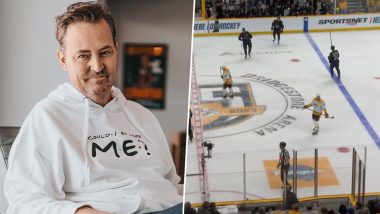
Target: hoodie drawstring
pixel 84 139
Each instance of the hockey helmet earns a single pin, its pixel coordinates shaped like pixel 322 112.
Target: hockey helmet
pixel 243 29
pixel 282 144
pixel 332 47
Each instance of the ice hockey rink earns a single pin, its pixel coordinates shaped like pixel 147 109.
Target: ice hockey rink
pixel 270 89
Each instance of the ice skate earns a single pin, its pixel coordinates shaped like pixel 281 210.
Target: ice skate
pixel 315 131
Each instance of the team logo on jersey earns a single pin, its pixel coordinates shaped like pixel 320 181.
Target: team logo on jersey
pixel 218 112
pixel 261 105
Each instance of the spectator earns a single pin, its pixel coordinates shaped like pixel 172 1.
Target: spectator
pixel 342 209
pixel 364 210
pixel 342 5
pixel 295 209
pixel 350 210
pixel 291 197
pixel 261 210
pixel 213 209
pixel 205 209
pixel 324 210
pixel 377 207
pixel 372 204
pixel 278 209
pixel 189 209
pixel 209 9
pixel 315 7
pixel 219 7
pixel 358 206
pixel 243 209
pixel 309 210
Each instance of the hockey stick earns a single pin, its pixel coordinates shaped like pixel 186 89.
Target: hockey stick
pixel 330 117
pixel 330 37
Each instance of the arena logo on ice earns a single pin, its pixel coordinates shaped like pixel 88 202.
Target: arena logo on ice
pixel 292 99
pixel 305 173
pixel 261 105
pixel 217 113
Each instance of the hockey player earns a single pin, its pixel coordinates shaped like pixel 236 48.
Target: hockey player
pixel 334 61
pixel 227 81
pixel 319 107
pixel 246 37
pixel 277 28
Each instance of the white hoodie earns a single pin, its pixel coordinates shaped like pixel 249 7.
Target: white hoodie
pixel 72 152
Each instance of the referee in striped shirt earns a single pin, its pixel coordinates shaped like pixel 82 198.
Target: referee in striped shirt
pixel 283 163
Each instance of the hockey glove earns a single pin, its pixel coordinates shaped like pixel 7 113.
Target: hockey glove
pixel 221 76
pixel 305 106
pixel 327 115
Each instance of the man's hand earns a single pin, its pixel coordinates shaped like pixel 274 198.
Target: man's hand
pixel 90 210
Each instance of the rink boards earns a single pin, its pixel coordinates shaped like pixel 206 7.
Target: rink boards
pixel 293 24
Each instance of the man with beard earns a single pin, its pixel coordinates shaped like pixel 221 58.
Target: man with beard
pixel 85 149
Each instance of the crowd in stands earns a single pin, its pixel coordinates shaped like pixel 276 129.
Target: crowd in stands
pixel 207 208
pixel 373 5
pixel 248 9
pixel 372 207
pixel 271 8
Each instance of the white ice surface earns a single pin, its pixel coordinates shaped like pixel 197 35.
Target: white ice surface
pixel 359 63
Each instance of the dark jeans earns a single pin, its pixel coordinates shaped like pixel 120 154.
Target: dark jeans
pixel 177 209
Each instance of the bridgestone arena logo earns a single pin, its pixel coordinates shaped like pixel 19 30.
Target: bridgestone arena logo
pixel 343 21
pixel 260 105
